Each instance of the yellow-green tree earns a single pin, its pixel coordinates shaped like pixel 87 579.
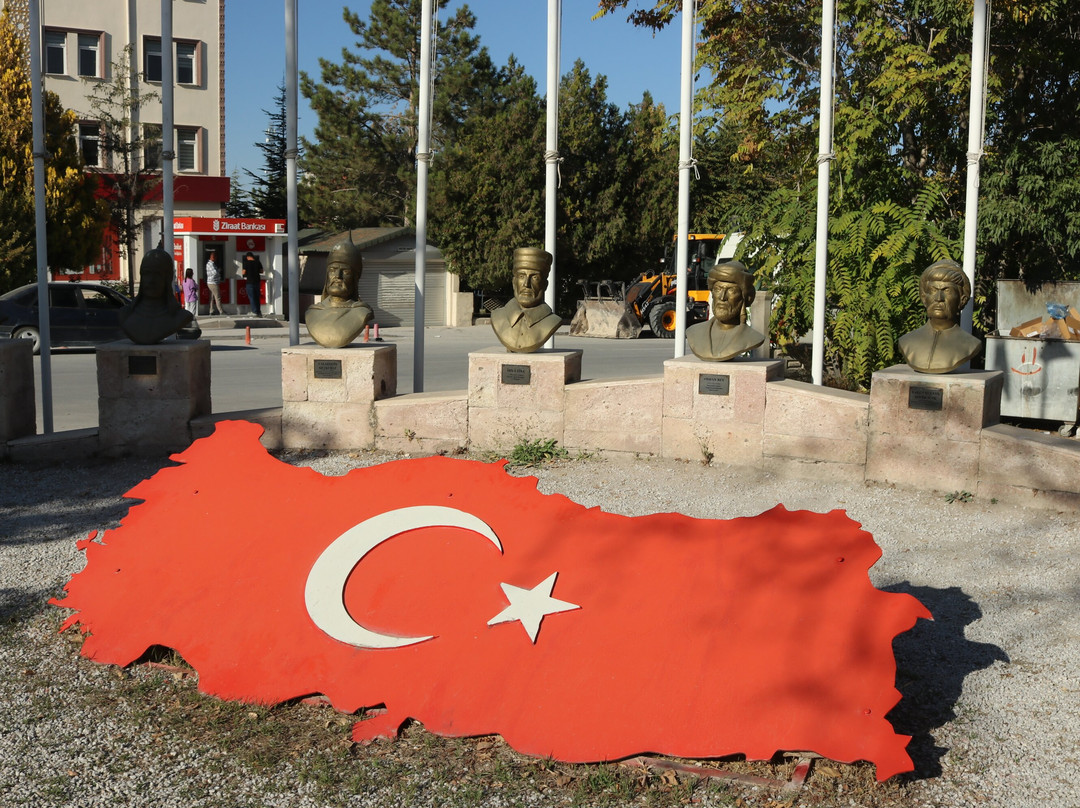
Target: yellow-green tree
pixel 903 72
pixel 75 219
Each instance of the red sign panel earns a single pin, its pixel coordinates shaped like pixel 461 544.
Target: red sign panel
pixel 456 594
pixel 230 227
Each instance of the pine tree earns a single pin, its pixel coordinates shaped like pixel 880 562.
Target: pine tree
pixel 487 186
pixel 268 196
pixel 360 170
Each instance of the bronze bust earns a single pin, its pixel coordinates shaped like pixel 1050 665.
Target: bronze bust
pixel 726 335
pixel 155 313
pixel 527 322
pixel 941 345
pixel 341 315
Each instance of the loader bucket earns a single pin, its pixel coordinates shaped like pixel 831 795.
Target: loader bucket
pixel 604 318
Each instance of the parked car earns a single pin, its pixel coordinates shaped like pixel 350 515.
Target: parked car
pixel 80 314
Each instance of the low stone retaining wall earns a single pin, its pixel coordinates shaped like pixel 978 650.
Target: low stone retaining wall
pixel 939 433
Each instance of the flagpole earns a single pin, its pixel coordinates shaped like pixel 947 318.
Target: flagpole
pixel 423 158
pixel 551 148
pixel 976 134
pixel 167 140
pixel 292 221
pixel 38 114
pixel 686 163
pixel 825 156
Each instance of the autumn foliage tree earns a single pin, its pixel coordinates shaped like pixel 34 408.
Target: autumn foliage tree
pixel 74 218
pixel 903 72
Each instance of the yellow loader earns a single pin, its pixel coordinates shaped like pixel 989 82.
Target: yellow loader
pixel 619 311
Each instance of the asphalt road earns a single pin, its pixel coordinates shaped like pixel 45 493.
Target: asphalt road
pixel 249 376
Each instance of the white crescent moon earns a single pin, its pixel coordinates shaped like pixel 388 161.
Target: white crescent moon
pixel 324 594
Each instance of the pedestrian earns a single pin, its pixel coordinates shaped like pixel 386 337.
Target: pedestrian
pixel 252 267
pixel 213 283
pixel 191 292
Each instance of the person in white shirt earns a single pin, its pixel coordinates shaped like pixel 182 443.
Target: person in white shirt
pixel 213 281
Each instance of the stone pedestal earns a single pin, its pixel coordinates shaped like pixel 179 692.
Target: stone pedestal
pixel 328 394
pixel 716 409
pixel 148 394
pixel 925 429
pixel 18 414
pixel 518 396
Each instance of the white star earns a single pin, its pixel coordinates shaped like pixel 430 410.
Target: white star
pixel 531 606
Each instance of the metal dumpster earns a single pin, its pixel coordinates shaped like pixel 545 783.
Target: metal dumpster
pixel 1042 376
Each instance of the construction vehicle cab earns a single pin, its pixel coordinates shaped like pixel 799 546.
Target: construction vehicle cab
pixel 619 310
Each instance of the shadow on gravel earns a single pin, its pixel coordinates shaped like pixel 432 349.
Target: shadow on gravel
pixel 41 504
pixel 932 661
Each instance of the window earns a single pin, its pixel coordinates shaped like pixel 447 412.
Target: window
pixel 89 64
pixel 152 59
pixel 98 299
pixel 55 48
pixel 64 297
pixel 187 142
pixel 185 63
pixel 90 143
pixel 152 145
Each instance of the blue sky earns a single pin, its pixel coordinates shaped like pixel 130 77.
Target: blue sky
pixel 632 58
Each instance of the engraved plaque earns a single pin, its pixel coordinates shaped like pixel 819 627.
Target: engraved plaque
pixel 516 374
pixel 142 366
pixel 713 384
pixel 327 368
pixel 924 398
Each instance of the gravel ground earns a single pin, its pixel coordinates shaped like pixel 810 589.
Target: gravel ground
pixel 991 686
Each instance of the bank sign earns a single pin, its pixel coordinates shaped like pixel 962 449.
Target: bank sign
pixel 228 227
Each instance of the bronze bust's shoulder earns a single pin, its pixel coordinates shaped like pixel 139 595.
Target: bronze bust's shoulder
pixel 726 335
pixel 155 313
pixel 941 345
pixel 341 315
pixel 525 323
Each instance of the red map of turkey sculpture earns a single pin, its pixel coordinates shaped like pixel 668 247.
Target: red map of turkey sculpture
pixel 461 597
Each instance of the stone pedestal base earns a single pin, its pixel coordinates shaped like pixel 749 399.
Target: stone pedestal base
pixel 148 394
pixel 518 396
pixel 925 429
pixel 18 410
pixel 328 394
pixel 716 409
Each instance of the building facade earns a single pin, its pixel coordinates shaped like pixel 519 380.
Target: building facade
pixel 84 43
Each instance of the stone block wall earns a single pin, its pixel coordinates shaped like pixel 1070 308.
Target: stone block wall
pixel 931 432
pixel 18 410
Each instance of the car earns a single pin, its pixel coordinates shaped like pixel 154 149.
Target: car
pixel 80 314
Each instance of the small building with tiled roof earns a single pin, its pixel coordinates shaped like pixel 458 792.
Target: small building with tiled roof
pixel 388 281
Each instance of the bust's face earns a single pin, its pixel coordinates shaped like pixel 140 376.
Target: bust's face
pixel 942 301
pixel 727 302
pixel 529 286
pixel 341 281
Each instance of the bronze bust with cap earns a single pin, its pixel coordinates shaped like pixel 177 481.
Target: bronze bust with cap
pixel 155 313
pixel 527 322
pixel 941 345
pixel 341 315
pixel 726 335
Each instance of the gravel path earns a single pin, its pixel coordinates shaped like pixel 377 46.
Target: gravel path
pixel 991 686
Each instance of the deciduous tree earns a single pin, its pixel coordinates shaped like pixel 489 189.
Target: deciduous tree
pixel 130 175
pixel 74 217
pixel 902 77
